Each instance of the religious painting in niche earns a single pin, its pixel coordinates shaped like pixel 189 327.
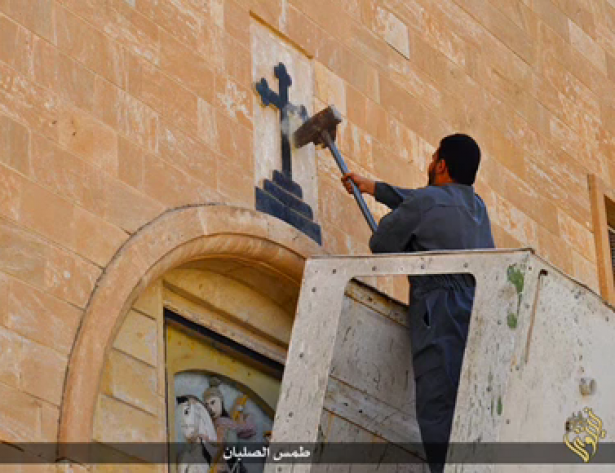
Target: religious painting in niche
pixel 218 395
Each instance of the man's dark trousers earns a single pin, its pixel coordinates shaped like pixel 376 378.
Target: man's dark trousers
pixel 439 321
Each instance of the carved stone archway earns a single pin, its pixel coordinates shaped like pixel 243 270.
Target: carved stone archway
pixel 176 237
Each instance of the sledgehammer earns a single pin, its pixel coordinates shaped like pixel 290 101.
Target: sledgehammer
pixel 320 129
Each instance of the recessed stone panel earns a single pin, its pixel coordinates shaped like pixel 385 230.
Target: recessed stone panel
pixel 268 50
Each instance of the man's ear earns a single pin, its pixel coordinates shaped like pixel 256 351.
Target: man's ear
pixel 441 166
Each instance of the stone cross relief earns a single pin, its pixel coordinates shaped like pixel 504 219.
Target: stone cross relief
pixel 281 102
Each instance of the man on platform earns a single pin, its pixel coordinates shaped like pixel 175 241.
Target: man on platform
pixel 445 215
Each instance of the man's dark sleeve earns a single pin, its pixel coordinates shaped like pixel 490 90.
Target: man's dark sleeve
pixel 397 228
pixel 391 196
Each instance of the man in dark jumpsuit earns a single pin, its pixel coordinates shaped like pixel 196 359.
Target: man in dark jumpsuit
pixel 445 215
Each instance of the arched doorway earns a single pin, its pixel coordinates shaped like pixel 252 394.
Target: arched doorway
pixel 268 258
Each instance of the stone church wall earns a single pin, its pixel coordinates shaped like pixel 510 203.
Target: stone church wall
pixel 115 111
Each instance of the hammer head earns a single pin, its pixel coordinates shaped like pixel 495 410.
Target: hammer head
pixel 310 131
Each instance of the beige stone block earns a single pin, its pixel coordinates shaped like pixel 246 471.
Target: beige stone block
pixel 329 88
pixel 329 16
pixel 150 302
pixel 10 356
pixel 236 184
pixel 397 170
pixel 349 66
pixel 558 183
pixel 566 83
pixel 210 46
pixel 366 44
pixel 555 250
pixel 502 28
pixel 121 111
pixel 9 45
pixel 71 80
pixel 612 172
pixel 19 415
pixel 142 124
pixel 577 236
pixel 28 103
pixel 75 83
pixel 237 21
pixel 22 254
pixel 130 163
pixel 334 239
pixel 407 145
pixel 4 296
pixel 579 11
pixel 146 82
pixel 393 30
pixel 57 170
pixel 14 145
pixel 90 46
pixel 607 114
pixel 131 381
pixel 444 39
pixel 96 239
pixel 18 44
pixel 585 271
pixel 361 147
pixel 69 277
pixel 50 422
pixel 235 100
pixel 208 126
pixel 172 186
pixel 42 372
pixel 237 61
pixel 583 150
pixel 304 32
pixel 83 135
pixel 116 421
pixel 36 15
pixel 405 108
pixel 487 194
pixel 131 29
pixel 53 221
pixel 180 107
pixel 186 66
pixel 180 149
pixel 340 209
pixel 42 318
pixel 138 338
pixel 586 45
pixel 523 15
pixel 185 21
pixel 503 239
pixel 109 104
pixel 115 195
pixel 526 198
pixel 515 222
pixel 416 82
pixel 506 151
pixel 11 184
pixel 235 142
pixel 611 66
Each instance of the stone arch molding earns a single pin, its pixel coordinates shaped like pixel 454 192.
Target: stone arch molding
pixel 176 237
